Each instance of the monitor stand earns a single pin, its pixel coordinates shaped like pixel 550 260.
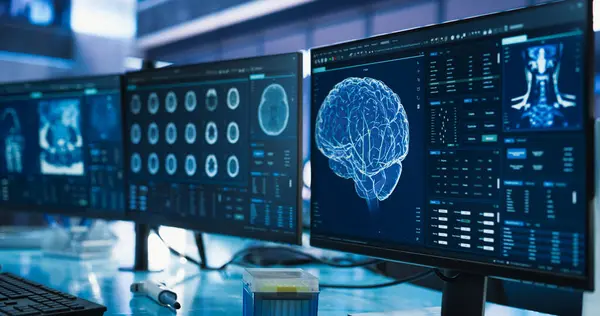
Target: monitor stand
pixel 201 250
pixel 464 296
pixel 140 261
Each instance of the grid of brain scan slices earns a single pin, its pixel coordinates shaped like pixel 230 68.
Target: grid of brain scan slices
pixel 189 132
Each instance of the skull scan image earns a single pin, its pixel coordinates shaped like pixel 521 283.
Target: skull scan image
pixel 233 133
pixel 60 137
pixel 190 165
pixel 190 133
pixel 135 104
pixel 136 163
pixel 153 103
pixel 211 134
pixel 171 164
pixel 171 133
pixel 136 134
pixel 14 142
pixel 153 134
pixel 233 166
pixel 190 101
pixel 211 100
pixel 210 166
pixel 153 163
pixel 542 103
pixel 171 102
pixel 233 98
pixel 274 110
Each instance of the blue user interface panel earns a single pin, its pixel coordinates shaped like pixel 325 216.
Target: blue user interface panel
pixel 61 146
pixel 215 146
pixel 463 141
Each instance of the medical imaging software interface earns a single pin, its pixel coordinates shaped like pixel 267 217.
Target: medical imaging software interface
pixel 60 145
pixel 215 145
pixel 465 141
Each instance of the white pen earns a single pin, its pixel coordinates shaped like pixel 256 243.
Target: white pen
pixel 158 292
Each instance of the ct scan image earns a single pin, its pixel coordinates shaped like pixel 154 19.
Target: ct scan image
pixel 362 128
pixel 190 101
pixel 211 134
pixel 171 133
pixel 233 166
pixel 136 104
pixel 171 164
pixel 14 141
pixel 233 98
pixel 153 134
pixel 136 163
pixel 190 165
pixel 233 132
pixel 171 102
pixel 60 138
pixel 190 133
pixel 153 103
pixel 211 100
pixel 135 134
pixel 153 163
pixel 211 166
pixel 542 88
pixel 105 119
pixel 274 110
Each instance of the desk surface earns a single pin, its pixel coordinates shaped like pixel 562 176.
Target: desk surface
pixel 206 293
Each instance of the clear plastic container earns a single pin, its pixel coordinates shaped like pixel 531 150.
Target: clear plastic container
pixel 281 292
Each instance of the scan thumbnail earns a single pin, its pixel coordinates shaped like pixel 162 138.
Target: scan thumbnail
pixel 274 110
pixel 540 88
pixel 60 137
pixel 362 128
pixel 14 141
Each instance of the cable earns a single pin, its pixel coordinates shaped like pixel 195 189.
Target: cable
pixel 314 258
pixel 258 249
pixel 444 277
pixel 379 285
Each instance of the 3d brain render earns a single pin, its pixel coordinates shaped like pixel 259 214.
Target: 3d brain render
pixel 363 129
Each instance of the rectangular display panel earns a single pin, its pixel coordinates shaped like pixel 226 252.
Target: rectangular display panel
pixel 215 146
pixel 461 145
pixel 61 146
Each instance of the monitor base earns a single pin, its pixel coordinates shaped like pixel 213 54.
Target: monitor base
pixel 464 294
pixel 141 262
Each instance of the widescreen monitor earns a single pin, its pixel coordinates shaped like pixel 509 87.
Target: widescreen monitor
pixel 215 147
pixel 61 147
pixel 466 145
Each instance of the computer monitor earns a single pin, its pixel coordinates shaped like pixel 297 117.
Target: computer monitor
pixel 464 146
pixel 215 147
pixel 61 147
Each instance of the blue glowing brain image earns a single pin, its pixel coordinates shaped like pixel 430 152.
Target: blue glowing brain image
pixel 362 128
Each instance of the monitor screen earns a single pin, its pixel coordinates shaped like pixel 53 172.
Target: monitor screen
pixel 61 148
pixel 464 145
pixel 216 147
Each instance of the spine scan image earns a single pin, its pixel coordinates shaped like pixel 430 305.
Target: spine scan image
pixel 542 103
pixel 14 143
pixel 362 128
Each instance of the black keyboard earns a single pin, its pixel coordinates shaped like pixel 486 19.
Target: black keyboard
pixel 22 297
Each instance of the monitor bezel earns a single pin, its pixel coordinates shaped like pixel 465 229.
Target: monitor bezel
pixel 192 223
pixel 91 213
pixel 412 254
